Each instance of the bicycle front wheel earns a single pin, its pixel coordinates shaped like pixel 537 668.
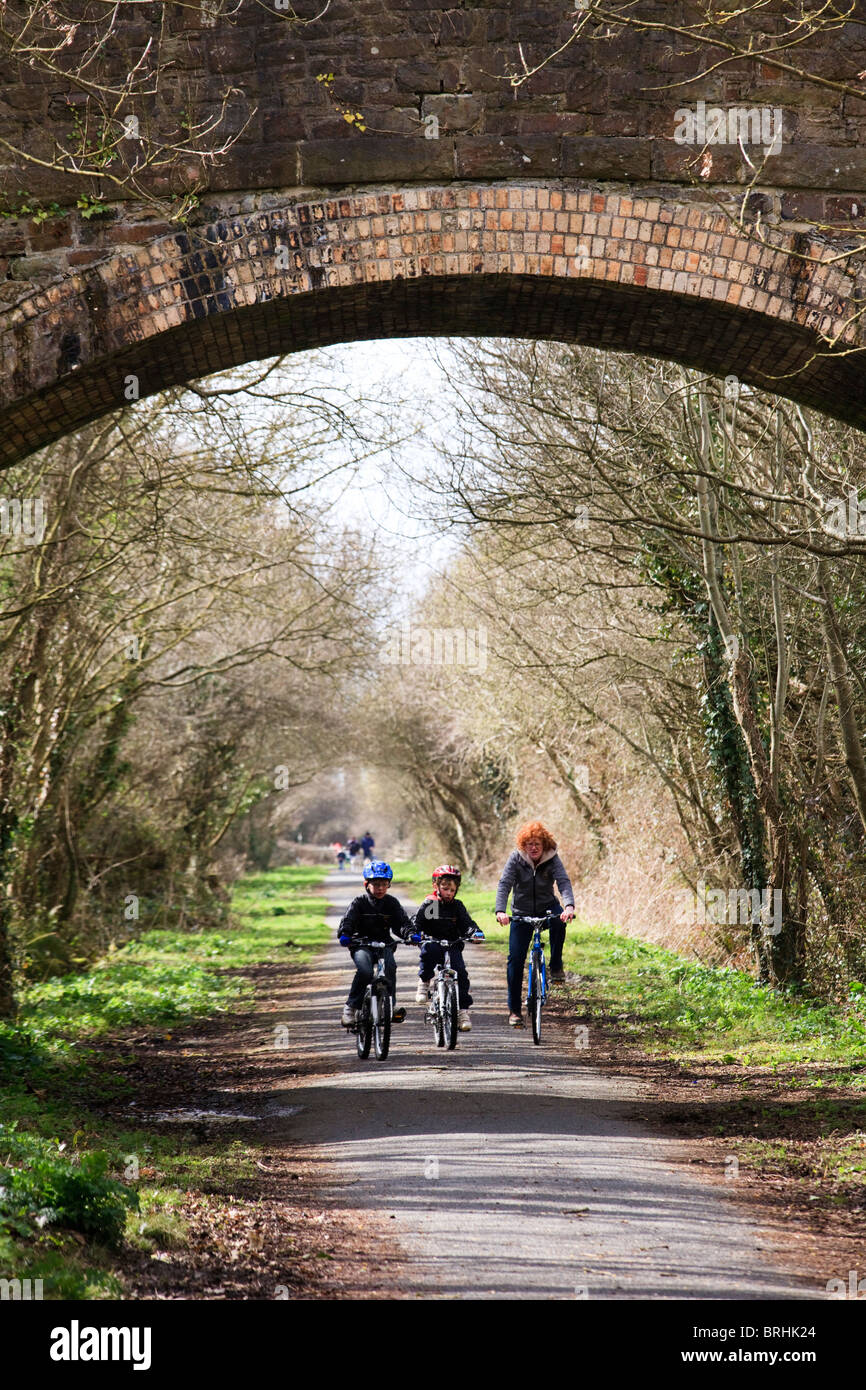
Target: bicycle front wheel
pixel 439 1016
pixel 365 1028
pixel 382 1022
pixel 450 1019
pixel 535 1000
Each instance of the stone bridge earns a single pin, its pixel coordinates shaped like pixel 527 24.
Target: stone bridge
pixel 631 195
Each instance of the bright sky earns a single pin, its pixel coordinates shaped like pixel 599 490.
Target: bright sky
pixel 404 369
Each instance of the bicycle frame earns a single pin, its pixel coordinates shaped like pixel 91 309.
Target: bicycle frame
pixel 377 950
pixel 444 979
pixel 536 984
pixel 446 970
pixel 537 945
pixel 537 952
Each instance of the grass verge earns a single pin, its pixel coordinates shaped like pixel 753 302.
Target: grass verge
pixel 76 1186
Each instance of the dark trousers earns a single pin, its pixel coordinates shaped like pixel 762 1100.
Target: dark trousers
pixel 364 973
pixel 518 944
pixel 434 954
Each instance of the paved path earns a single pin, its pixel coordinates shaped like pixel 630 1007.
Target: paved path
pixel 509 1170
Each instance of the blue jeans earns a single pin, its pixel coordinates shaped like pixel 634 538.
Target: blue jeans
pixel 434 954
pixel 519 941
pixel 364 973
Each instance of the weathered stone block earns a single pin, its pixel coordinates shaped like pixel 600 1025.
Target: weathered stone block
pixel 279 126
pixel 818 166
pixel 503 156
pixel 136 233
pixel 691 164
pixel 428 76
pixel 803 207
pixel 591 157
pixel 454 110
pixel 587 90
pixel 363 158
pixel 41 267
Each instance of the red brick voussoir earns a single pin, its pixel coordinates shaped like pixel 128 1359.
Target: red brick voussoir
pixel 530 260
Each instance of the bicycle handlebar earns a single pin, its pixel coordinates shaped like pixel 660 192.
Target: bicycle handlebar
pixel 444 940
pixel 542 922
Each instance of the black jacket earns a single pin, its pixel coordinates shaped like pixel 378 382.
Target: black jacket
pixel 375 919
pixel 447 920
pixel 532 885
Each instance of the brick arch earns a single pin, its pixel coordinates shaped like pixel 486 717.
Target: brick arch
pixel 529 259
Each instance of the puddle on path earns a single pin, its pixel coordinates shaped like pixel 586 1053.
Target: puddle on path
pixel 218 1117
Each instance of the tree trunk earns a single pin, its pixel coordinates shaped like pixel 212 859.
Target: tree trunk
pixel 844 694
pixel 780 957
pixel 7 975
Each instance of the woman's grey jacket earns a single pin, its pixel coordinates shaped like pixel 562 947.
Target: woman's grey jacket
pixel 532 885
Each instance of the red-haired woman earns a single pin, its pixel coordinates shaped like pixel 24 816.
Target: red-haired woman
pixel 529 875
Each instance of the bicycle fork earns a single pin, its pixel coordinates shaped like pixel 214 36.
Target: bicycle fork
pixel 537 970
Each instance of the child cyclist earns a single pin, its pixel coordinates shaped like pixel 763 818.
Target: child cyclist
pixel 443 916
pixel 373 916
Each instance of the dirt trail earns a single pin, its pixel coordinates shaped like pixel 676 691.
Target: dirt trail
pixel 506 1170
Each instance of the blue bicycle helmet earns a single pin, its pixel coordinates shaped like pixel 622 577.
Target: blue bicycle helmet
pixel 377 868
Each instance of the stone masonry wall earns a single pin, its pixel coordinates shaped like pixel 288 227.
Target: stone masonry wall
pixel 597 112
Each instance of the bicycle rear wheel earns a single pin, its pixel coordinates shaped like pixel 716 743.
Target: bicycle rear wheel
pixel 535 999
pixel 450 1019
pixel 365 1028
pixel 381 1004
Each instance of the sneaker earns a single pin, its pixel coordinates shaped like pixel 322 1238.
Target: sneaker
pixel 464 1022
pixel 557 974
pixel 421 993
pixel 515 1020
pixel 348 1018
pixel 398 1015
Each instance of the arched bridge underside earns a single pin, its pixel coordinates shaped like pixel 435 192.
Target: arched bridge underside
pixel 533 259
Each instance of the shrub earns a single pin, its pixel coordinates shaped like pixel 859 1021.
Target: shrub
pixel 42 1185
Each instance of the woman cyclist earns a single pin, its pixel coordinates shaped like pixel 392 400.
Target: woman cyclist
pixel 530 873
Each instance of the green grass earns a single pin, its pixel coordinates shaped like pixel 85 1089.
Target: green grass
pixel 672 1007
pixel 73 1184
pixel 681 1007
pixel 836 1159
pixel 412 878
pixel 171 977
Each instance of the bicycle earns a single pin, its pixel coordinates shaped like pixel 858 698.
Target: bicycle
pixel 373 1023
pixel 536 993
pixel 444 1006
